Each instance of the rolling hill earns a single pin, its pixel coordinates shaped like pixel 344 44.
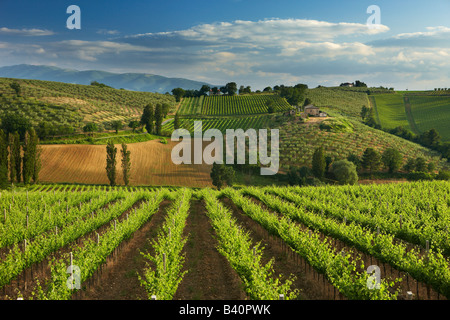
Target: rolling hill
pixel 417 111
pixel 128 81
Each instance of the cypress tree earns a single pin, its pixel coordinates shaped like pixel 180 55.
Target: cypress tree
pixel 111 152
pixel 12 159
pixel 15 153
pixel 126 163
pixel 29 155
pixel 319 163
pixel 37 159
pixel 176 122
pixel 3 160
pixel 158 119
pixel 147 118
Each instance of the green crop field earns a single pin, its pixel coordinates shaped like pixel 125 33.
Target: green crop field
pixel 390 111
pixel 432 112
pixel 223 123
pixel 417 111
pixel 339 100
pixel 329 234
pixel 191 106
pixel 230 105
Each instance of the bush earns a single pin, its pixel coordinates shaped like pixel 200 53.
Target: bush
pixel 345 172
pixel 416 176
pixel 443 175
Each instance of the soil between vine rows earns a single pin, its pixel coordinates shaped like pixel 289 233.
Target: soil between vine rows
pixel 210 275
pixel 420 290
pixel 118 280
pixel 311 285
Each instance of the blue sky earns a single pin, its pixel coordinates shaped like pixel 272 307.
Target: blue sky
pixel 252 42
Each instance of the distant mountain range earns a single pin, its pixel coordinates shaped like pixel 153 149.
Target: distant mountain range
pixel 129 81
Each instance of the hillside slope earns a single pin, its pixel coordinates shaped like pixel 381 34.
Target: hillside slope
pixel 129 81
pixel 75 105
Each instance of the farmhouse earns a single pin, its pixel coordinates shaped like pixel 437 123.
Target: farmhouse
pixel 312 110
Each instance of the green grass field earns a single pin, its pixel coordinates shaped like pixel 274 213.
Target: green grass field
pixel 391 111
pixel 427 110
pixel 432 112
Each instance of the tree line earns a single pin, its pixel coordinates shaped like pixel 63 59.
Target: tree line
pixel 19 158
pixel 347 170
pixel 111 163
pixel 293 94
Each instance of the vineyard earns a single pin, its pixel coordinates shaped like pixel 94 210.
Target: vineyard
pixel 223 123
pixel 416 111
pixel 231 105
pixel 383 242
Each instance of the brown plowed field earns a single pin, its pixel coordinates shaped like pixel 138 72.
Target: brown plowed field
pixel 151 164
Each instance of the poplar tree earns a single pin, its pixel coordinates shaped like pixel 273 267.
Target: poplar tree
pixel 158 119
pixel 319 163
pixel 3 160
pixel 126 163
pixel 15 153
pixel 29 155
pixel 37 159
pixel 176 122
pixel 111 152
pixel 12 158
pixel 147 118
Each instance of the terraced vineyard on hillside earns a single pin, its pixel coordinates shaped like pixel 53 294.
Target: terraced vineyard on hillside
pixel 232 105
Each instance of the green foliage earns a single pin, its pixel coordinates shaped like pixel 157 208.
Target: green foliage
pixel 158 119
pixel 240 105
pixel 117 125
pixel 111 161
pixel 371 160
pixel 16 87
pixel 148 118
pixel 336 125
pixel 90 128
pixel 178 93
pixel 134 125
pixel 222 174
pixel 101 85
pixel 419 176
pixel 319 163
pixel 31 157
pixel 126 163
pixel 293 95
pixel 392 159
pixel 3 160
pixel 163 278
pixel 345 172
pixel 15 122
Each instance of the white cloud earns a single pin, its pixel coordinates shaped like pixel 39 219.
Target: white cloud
pixel 260 53
pixel 25 32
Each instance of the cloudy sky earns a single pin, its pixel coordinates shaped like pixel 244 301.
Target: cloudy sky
pixel 252 42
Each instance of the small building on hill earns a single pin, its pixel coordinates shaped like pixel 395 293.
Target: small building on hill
pixel 312 110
